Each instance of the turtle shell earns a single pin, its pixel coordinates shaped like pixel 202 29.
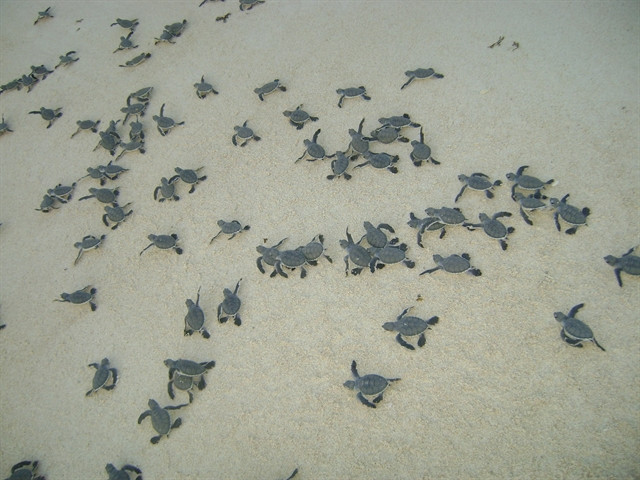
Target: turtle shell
pixel 422 72
pixel 380 160
pixel 339 164
pixel 577 329
pixel 101 376
pixel 420 151
pixel 358 142
pixel 386 134
pixel 195 316
pixel 494 229
pixel 375 236
pixel 182 382
pixel 299 116
pixel 160 419
pixel 231 303
pixel 312 251
pixel 571 214
pixel 390 254
pixel 164 122
pixel 244 132
pixel 410 326
pixel 371 384
pixel 448 216
pixel 292 258
pixel 229 227
pixel 80 296
pixel 454 264
pixel 188 368
pixel 358 254
pixel 315 150
pixel 478 182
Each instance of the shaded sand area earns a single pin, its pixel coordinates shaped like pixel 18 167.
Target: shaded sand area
pixel 494 393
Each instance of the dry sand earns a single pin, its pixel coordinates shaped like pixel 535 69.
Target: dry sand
pixel 494 393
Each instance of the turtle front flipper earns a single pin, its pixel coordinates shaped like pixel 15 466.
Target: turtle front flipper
pixel 402 342
pixel 570 341
pixel 364 401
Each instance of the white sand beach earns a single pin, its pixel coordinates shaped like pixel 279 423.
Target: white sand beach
pixel 494 393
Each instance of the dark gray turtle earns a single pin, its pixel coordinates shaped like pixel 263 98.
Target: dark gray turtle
pixel 359 144
pixel 530 203
pixel 4 127
pixel 48 114
pixel 88 242
pixel 298 117
pixel 339 166
pixel 135 61
pixel 128 24
pixel 454 264
pixel 165 124
pixel 230 306
pixel 477 181
pixel 291 259
pixel 420 73
pixel 133 109
pixel 194 320
pixel 104 172
pixel 410 327
pixel 160 419
pixel 526 182
pixel 176 28
pixel 166 191
pixel 108 142
pixel 187 373
pixel 627 263
pixel 376 237
pixel 135 130
pixel 313 151
pixel 28 82
pixel 421 152
pixel 315 249
pixel 368 386
pixel 390 254
pixel 352 92
pixel 47 203
pixel 62 193
pixel 447 216
pixel 398 121
pixel 380 161
pixel 40 72
pixel 86 125
pixel 103 375
pixel 268 88
pixel 67 59
pixel 126 43
pixel 123 473
pixel 163 242
pixel 570 214
pixel 268 255
pixel 164 37
pixel 112 129
pixel 244 134
pixel 15 84
pixel 231 228
pixel 133 146
pixel 27 469
pixel 575 331
pixel 115 214
pixel 425 224
pixel 246 5
pixel 203 88
pixel 188 176
pixel 387 134
pixel 494 227
pixel 44 15
pixel 80 297
pixel 357 254
pixel 103 195
pixel 142 95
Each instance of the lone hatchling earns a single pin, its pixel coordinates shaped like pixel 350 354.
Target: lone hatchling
pixel 243 135
pixel 43 16
pixel 570 214
pixel 410 327
pixel 291 259
pixel 4 127
pixel 368 386
pixel 127 24
pixel 230 306
pixel 268 88
pixel 80 297
pixel 185 374
pixel 194 320
pixel 88 242
pixel 477 181
pixel 163 242
pixel 126 43
pixel 420 73
pixel 376 237
pixel 203 88
pixel 86 125
pixel 574 332
pixel 298 117
pixel 106 377
pixel 49 115
pixel 161 419
pixel 454 264
pixel 231 228
pixel 352 92
pixel 627 263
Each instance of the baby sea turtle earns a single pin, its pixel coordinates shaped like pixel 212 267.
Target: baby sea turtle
pixel 298 117
pixel 102 376
pixel 194 320
pixel 47 203
pixel 123 473
pixel 44 15
pixel 268 255
pixel 27 469
pixel 40 72
pixel 380 161
pixel 359 144
pixel 133 109
pixel 291 259
pixel 4 127
pixel 352 92
pixel 203 88
pixel 103 172
pixel 477 181
pixel 62 193
pixel 410 327
pixel 28 81
pixel 86 125
pixel 188 176
pixel 135 130
pixel 268 88
pixel 454 264
pixel 376 237
pixel 368 386
pixel 103 195
pixel 164 242
pixel 575 331
pixel 231 228
pixel 425 224
pixel 80 297
pixel 48 114
pixel 390 254
pixel 126 43
pixel 387 134
pixel 313 151
pixel 398 121
pixel 165 124
pixel 142 95
pixel 176 28
pixel 230 306
pixel 132 146
pixel 115 214
pixel 135 61
pixel 246 5
pixel 530 203
pixel 185 373
pixel 128 24
pixel 15 84
pixel 420 73
pixel 421 152
pixel 67 59
pixel 570 214
pixel 357 254
pixel 494 227
pixel 164 37
pixel 244 134
pixel 627 263
pixel 526 182
pixel 339 166
pixel 108 142
pixel 315 249
pixel 88 242
pixel 166 191
pixel 447 216
pixel 160 419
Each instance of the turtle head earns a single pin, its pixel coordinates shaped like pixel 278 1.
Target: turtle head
pixel 110 469
pixel 610 259
pixel 389 326
pixel 169 363
pixel 152 403
pixel 559 316
pixel 350 384
pixel 511 176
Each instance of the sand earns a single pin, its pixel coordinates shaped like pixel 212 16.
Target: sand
pixel 494 393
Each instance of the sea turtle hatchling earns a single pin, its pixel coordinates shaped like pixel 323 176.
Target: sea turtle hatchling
pixel 67 59
pixel 425 224
pixel 48 114
pixel 314 151
pixel 142 95
pixel 447 216
pixel 291 259
pixel 575 331
pixel 203 88
pixel 135 61
pixel 4 127
pixel 454 264
pixel 47 204
pixel 115 214
pixel 133 109
pixel 165 191
pixel 44 15
pixel 359 144
pixel 268 88
pixel 389 255
pixel 165 124
pixel 62 193
pixel 243 134
pixel 420 73
pixel 176 28
pixel 477 181
pixel 398 121
pixel 380 161
pixel 375 237
pixel 163 242
pixel 357 254
pixel 530 203
pixel 339 166
pixel 25 470
pixel 104 172
pixel 80 297
pixel 132 146
pixel 126 43
pixel 570 214
pixel 315 249
pixel 368 386
pixel 127 24
pixel 352 92
pixel 387 134
pixel 627 263
pixel 161 419
pixel 104 375
pixel 187 373
pixel 526 182
pixel 136 132
pixel 123 473
pixel 40 72
pixel 164 37
pixel 86 125
pixel 188 176
pixel 246 5
pixel 230 306
pixel 421 152
pixel 28 81
pixel 298 117
pixel 410 327
pixel 268 255
pixel 15 84
pixel 88 242
pixel 494 227
pixel 231 228
pixel 194 319
pixel 103 195
pixel 109 142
